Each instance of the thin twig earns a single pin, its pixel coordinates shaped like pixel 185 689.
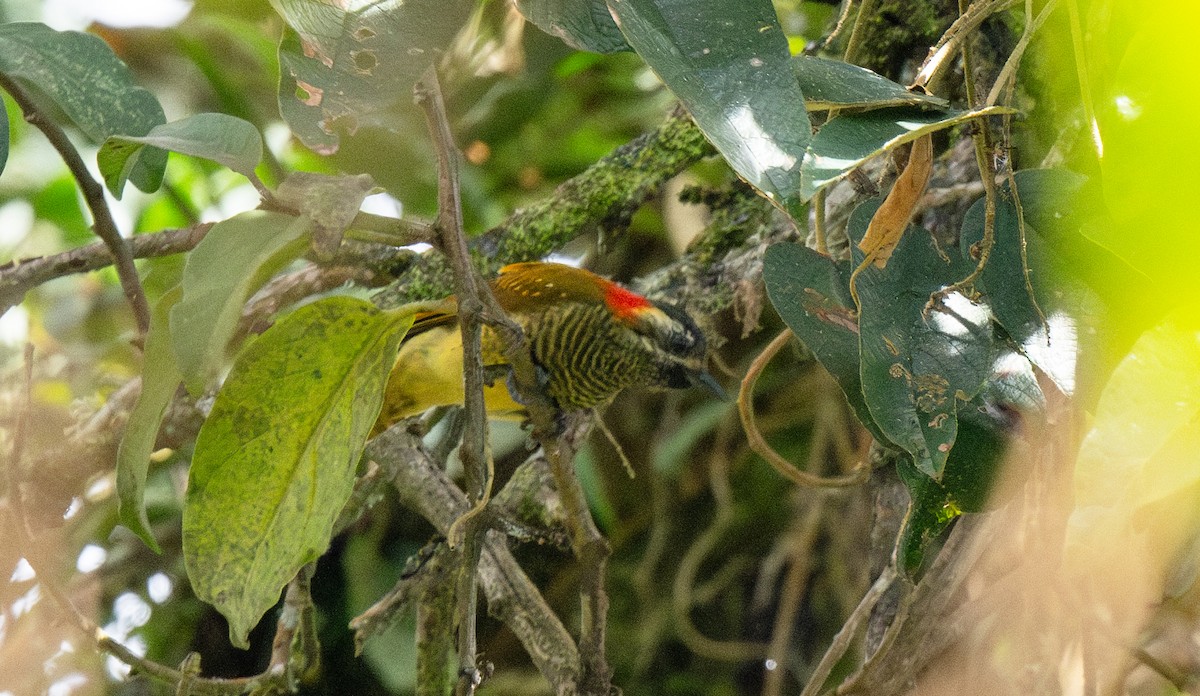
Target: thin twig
pixel 845 635
pixel 93 193
pixel 968 21
pixel 982 139
pixel 759 444
pixel 1009 71
pixel 1081 71
pixel 295 626
pixel 841 22
pixel 474 453
pixel 819 235
pixel 616 445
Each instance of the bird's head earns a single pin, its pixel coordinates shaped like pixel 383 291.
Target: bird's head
pixel 668 334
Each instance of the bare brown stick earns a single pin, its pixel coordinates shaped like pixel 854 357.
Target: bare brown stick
pixel 474 451
pixel 968 21
pixel 93 193
pixel 982 252
pixel 17 277
pixel 759 444
pixel 845 635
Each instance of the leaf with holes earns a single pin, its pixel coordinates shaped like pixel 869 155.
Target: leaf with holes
pixel 82 76
pixel 340 70
pixel 226 140
pixel 917 367
pixel 728 62
pixel 276 459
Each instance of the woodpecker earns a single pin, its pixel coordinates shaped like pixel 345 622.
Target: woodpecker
pixel 588 336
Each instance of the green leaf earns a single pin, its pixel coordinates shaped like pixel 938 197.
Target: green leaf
pixel 342 70
pixel 226 140
pixel 812 295
pixel 1070 275
pixel 88 84
pixel 728 62
pixel 276 459
pixel 966 486
pixel 851 139
pixel 160 379
pixel 1046 199
pixel 834 84
pixel 232 261
pixel 917 368
pixel 586 25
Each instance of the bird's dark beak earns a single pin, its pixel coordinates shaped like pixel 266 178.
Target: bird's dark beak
pixel 702 378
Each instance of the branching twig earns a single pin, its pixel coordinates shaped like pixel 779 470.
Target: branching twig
pixel 967 22
pixel 841 641
pixel 982 251
pixel 474 452
pixel 759 444
pixel 93 193
pixel 512 597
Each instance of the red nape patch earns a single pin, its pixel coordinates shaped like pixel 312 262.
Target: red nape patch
pixel 624 303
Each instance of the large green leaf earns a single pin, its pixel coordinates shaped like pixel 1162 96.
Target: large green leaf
pixel 582 24
pixel 812 295
pixel 1070 275
pixel 226 140
pixel 918 366
pixel 344 69
pixel 232 261
pixel 728 62
pixel 851 139
pixel 829 84
pixel 160 379
pixel 87 83
pixel 276 459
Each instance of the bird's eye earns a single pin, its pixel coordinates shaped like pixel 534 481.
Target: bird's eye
pixel 679 340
